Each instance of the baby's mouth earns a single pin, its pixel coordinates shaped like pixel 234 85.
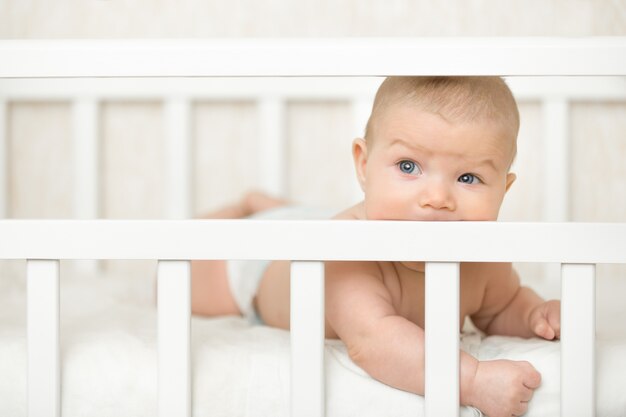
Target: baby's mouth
pixel 435 218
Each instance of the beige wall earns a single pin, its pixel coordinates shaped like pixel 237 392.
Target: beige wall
pixel 218 18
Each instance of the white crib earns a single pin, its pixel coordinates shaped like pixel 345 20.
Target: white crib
pixel 308 244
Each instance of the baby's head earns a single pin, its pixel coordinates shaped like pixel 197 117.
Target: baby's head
pixel 455 99
pixel 438 148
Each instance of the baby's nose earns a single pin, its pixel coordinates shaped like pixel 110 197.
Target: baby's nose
pixel 437 195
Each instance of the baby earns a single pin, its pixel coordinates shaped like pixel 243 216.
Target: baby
pixel 435 149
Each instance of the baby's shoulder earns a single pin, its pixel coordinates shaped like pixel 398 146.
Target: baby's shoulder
pixel 355 212
pixel 340 269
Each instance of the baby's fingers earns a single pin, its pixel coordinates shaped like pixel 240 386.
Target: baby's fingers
pixel 542 328
pixel 545 320
pixel 521 408
pixel 554 316
pixel 531 379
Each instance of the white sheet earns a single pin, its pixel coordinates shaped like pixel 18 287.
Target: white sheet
pixel 108 335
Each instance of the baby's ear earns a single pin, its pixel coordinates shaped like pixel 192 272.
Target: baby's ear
pixel 510 179
pixel 359 154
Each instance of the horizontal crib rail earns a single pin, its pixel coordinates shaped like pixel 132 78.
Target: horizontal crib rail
pixel 313 57
pixel 573 88
pixel 314 240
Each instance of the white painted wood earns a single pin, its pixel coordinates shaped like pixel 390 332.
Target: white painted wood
pixel 596 88
pixel 272 146
pixel 578 337
pixel 86 160
pixel 307 339
pixel 556 166
pixel 556 160
pixel 4 169
pixel 204 89
pixel 178 158
pixel 311 240
pixel 306 57
pixel 441 373
pixel 174 332
pixel 44 386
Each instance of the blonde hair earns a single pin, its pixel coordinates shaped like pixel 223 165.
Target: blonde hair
pixel 456 99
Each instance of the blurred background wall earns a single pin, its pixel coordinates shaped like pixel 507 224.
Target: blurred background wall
pixel 308 18
pixel 131 133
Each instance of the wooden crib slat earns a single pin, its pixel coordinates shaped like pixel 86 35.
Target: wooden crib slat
pixel 307 339
pixel 272 145
pixel 178 143
pixel 44 391
pixel 578 336
pixel 174 331
pixel 556 123
pixel 85 128
pixel 86 160
pixel 441 390
pixel 4 198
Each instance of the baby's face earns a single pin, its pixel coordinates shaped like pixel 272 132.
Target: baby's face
pixel 422 167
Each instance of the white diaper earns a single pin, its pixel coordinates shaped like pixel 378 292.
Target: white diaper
pixel 244 276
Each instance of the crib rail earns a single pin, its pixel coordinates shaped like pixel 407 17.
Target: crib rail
pixel 578 247
pixel 324 240
pixel 308 244
pixel 317 57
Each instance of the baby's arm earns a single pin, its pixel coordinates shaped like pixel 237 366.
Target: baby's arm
pixel 359 308
pixel 512 310
pixel 390 348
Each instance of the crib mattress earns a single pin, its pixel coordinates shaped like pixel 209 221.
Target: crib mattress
pixel 108 337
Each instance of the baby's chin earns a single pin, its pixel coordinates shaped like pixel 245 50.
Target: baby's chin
pixel 431 216
pixel 454 217
pixel 430 219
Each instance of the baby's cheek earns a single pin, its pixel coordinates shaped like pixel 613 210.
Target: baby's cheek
pixel 486 210
pixel 479 214
pixel 378 213
pixel 389 208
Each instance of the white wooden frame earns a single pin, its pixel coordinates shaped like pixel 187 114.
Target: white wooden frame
pixel 43 243
pixel 313 57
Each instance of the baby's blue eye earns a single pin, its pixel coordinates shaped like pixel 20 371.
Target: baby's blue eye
pixel 408 167
pixel 469 179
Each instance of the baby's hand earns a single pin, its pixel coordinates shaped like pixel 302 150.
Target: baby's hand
pixel 503 387
pixel 545 320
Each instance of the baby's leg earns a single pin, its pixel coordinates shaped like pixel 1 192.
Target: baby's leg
pixel 210 291
pixel 252 202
